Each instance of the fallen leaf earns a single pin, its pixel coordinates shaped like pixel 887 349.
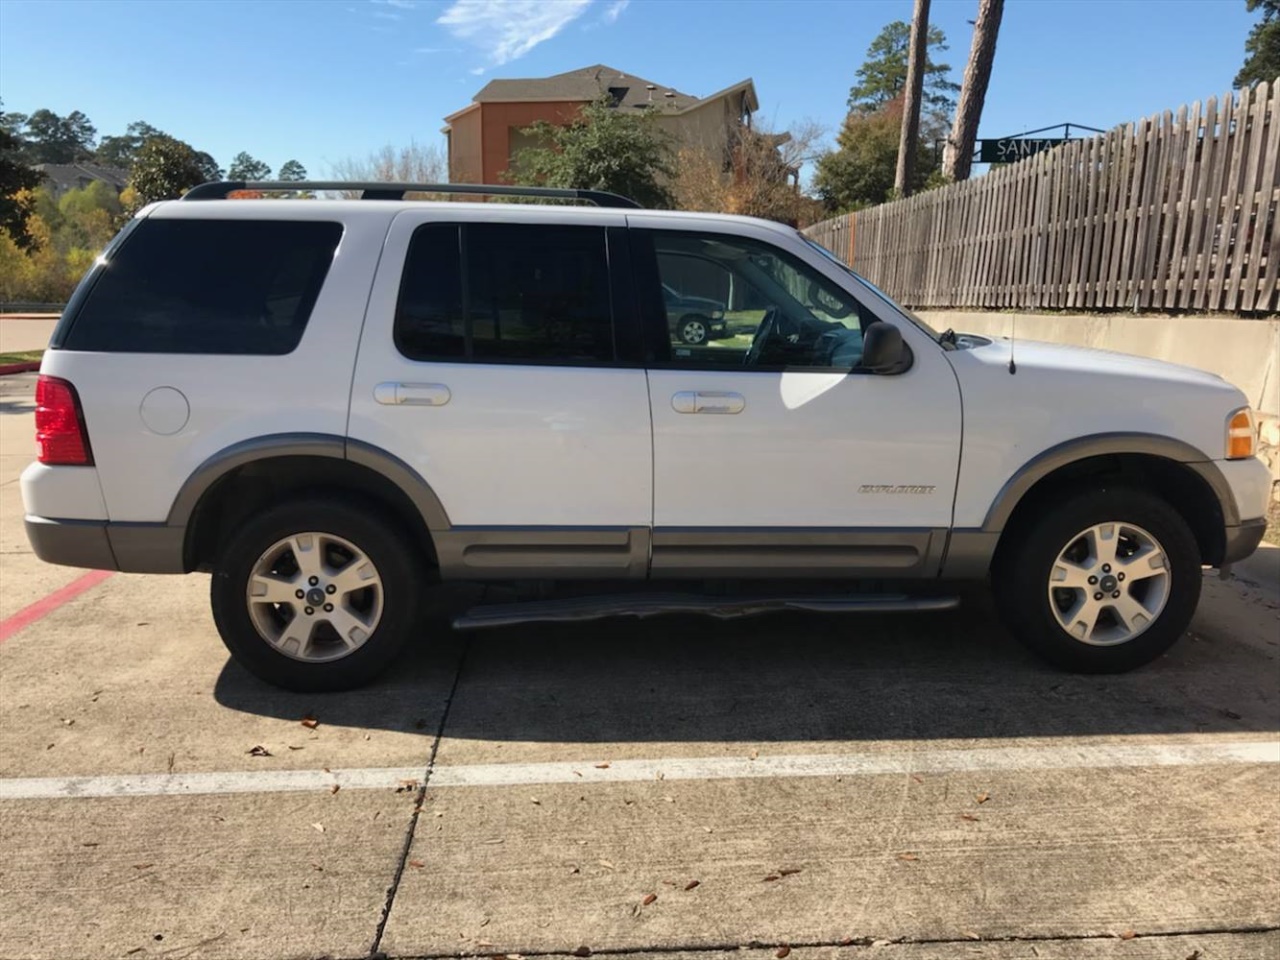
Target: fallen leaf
pixel 971 935
pixel 582 952
pixel 771 877
pixel 790 871
pixel 515 956
pixel 142 866
pixel 669 799
pixel 1194 955
pixel 917 779
pixel 970 817
pixel 573 870
pixel 317 866
pixel 982 797
pixel 259 751
pixel 90 843
pixel 648 899
pixel 130 953
pixel 495 840
pixel 318 826
pixel 1127 935
pixel 753 755
pixel 608 865
pixel 691 884
pixel 707 829
pixel 310 722
pixel 417 863
pixel 292 747
pixel 485 921
pixel 577 773
pixel 69 722
pixel 335 788
pixel 907 856
pixel 602 766
pixel 847 942
pixel 535 801
pixel 783 952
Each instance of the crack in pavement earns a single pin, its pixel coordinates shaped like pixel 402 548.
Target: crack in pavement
pixel 853 942
pixel 419 800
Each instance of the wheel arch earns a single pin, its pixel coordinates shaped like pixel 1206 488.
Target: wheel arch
pixel 252 474
pixel 1176 471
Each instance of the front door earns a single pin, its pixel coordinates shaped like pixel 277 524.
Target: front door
pixel 773 451
pixel 491 364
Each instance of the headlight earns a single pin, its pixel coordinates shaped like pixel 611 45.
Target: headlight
pixel 1241 434
pixel 717 314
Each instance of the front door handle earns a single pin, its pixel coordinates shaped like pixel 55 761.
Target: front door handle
pixel 412 394
pixel 708 401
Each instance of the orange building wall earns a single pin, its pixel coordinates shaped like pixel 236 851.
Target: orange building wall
pixel 497 119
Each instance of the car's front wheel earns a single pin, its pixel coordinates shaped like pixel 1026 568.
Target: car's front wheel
pixel 693 330
pixel 316 595
pixel 1102 582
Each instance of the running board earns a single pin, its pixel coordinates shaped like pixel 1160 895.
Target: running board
pixel 722 608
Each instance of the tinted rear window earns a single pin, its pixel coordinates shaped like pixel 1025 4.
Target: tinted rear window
pixel 207 286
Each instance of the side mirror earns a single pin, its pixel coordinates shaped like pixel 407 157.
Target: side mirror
pixel 882 348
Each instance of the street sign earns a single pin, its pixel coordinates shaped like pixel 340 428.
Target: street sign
pixel 1012 149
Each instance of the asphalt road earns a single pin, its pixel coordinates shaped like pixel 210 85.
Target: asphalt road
pixel 894 787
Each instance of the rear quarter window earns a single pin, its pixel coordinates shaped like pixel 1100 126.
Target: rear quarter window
pixel 206 286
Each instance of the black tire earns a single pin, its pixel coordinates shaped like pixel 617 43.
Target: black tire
pixel 701 322
pixel 1021 578
pixel 398 565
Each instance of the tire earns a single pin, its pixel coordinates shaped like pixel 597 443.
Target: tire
pixel 354 546
pixel 1150 600
pixel 694 330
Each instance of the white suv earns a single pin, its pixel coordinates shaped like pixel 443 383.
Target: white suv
pixel 330 403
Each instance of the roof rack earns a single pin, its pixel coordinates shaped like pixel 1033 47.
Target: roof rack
pixel 369 190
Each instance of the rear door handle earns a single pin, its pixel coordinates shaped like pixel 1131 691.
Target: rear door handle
pixel 412 394
pixel 708 401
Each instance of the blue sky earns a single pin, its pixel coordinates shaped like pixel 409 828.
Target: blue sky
pixel 321 80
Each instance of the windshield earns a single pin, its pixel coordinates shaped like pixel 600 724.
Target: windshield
pixel 869 285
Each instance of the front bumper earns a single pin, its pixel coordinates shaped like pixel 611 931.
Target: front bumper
pixel 1243 539
pixel 101 545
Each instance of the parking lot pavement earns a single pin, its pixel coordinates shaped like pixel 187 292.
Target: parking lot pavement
pixel 910 787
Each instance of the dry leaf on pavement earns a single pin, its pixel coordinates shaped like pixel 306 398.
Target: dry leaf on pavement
pixel 607 864
pixel 783 952
pixel 982 797
pixel 648 899
pixel 318 827
pixel 907 856
pixel 582 952
pixel 602 766
pixel 417 863
pixel 770 878
pixel 691 884
pixel 1128 935
pixel 970 817
pixel 334 788
pixel 790 871
pixel 259 751
pixel 310 722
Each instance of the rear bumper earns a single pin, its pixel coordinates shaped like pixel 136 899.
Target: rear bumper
pixel 101 545
pixel 1243 539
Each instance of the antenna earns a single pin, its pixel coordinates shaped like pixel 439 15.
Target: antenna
pixel 1013 342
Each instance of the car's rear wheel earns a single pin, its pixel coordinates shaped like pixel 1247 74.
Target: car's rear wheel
pixel 1101 583
pixel 693 330
pixel 316 595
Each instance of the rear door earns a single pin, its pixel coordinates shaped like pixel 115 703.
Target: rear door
pixel 497 361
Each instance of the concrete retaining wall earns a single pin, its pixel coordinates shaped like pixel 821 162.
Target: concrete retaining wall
pixel 1245 352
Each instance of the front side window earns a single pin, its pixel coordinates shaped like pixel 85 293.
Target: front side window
pixel 732 301
pixel 506 292
pixel 206 287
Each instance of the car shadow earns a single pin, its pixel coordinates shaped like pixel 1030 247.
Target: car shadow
pixel 782 677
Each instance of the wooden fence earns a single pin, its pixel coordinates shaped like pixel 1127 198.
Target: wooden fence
pixel 1172 213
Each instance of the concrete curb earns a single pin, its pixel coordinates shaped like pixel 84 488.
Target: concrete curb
pixel 29 366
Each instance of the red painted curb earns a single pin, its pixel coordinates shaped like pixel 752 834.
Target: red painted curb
pixel 29 366
pixel 42 608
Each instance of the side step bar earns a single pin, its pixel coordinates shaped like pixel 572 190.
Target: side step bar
pixel 723 608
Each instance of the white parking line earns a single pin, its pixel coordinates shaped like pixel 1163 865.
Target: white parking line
pixel 993 759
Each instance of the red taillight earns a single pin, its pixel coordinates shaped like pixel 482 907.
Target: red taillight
pixel 60 433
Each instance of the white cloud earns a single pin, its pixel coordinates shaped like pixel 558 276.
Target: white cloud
pixel 614 10
pixel 508 29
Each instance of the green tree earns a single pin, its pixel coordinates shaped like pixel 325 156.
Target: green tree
pixel 860 171
pixel 209 169
pixel 292 170
pixel 601 149
pixel 17 180
pixel 50 138
pixel 1262 48
pixel 164 169
pixel 883 75
pixel 245 167
pixel 120 151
